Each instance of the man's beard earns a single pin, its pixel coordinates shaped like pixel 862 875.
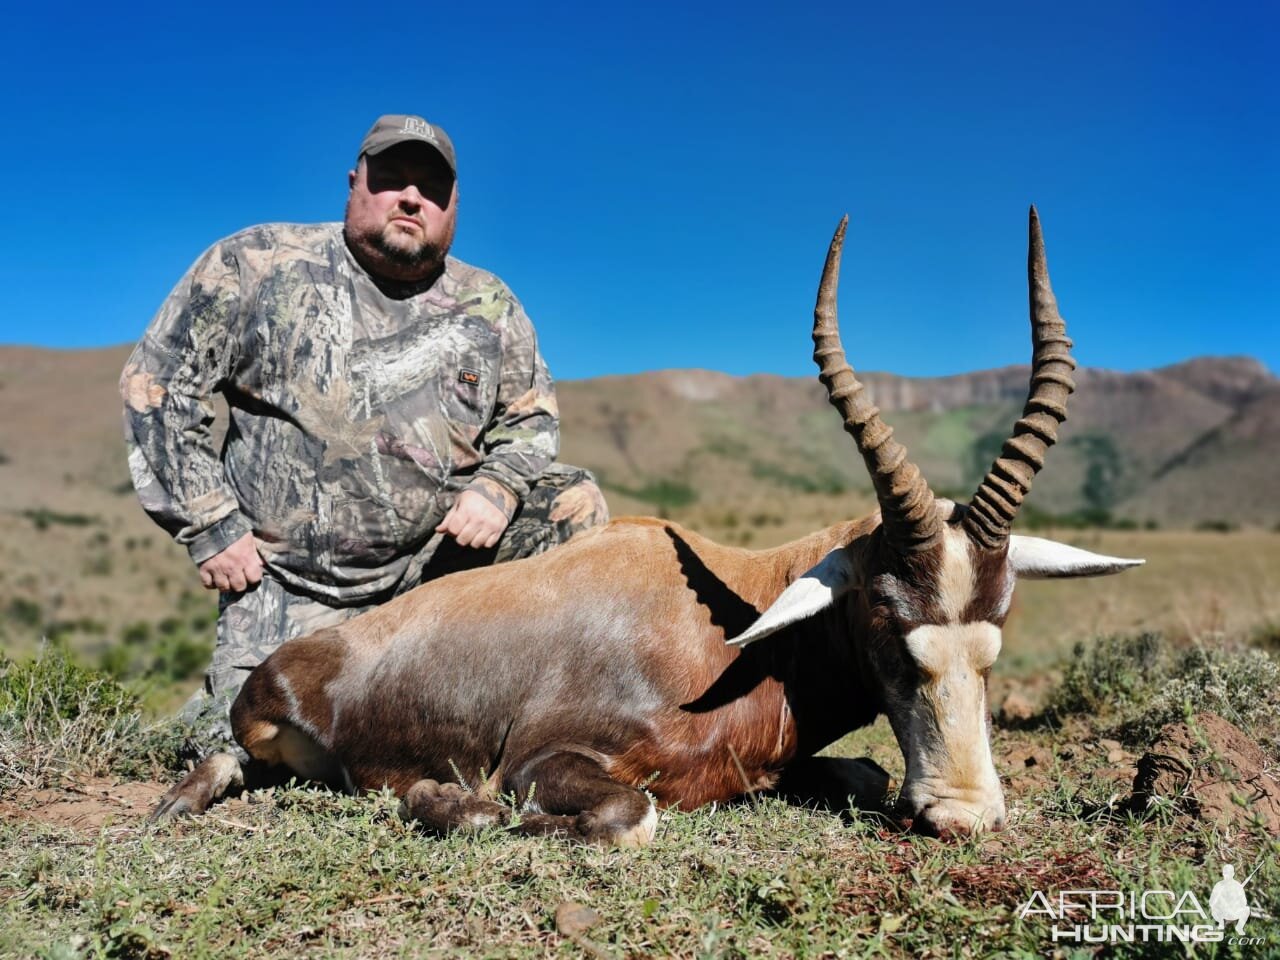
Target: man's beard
pixel 404 256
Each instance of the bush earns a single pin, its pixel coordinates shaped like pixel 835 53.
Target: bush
pixel 665 495
pixel 24 612
pixel 1242 686
pixel 818 480
pixel 167 653
pixel 98 565
pixel 1109 674
pixel 1267 636
pixel 1142 683
pixel 58 719
pixel 44 692
pixel 1217 526
pixel 43 518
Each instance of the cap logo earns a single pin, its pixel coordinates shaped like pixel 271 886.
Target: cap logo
pixel 418 127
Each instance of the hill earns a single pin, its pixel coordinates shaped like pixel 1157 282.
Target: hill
pixel 1144 447
pixel 752 460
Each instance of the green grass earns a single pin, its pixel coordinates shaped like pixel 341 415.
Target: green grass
pixel 307 871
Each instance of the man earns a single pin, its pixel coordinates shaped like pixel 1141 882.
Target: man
pixel 391 417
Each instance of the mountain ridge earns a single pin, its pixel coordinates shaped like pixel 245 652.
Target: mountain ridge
pixel 1150 438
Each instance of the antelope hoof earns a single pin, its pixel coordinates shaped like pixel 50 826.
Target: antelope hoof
pixel 209 782
pixel 444 807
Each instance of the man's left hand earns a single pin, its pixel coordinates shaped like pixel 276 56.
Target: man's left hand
pixel 473 521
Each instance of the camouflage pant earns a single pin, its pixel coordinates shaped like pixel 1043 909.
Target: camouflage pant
pixel 253 624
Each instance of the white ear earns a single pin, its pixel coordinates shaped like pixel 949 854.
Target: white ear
pixel 815 589
pixel 1038 559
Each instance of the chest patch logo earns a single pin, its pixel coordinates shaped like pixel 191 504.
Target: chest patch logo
pixel 471 377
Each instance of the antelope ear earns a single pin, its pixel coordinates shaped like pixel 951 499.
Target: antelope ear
pixel 814 590
pixel 1038 559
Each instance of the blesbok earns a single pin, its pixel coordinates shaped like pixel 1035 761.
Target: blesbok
pixel 642 655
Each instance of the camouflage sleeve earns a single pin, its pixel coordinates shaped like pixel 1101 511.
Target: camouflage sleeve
pixel 523 437
pixel 167 386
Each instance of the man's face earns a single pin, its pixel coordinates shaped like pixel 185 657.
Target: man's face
pixel 402 211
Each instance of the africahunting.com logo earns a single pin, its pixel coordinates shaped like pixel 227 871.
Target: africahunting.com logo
pixel 1145 916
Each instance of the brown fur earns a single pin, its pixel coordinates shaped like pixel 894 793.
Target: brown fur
pixel 616 651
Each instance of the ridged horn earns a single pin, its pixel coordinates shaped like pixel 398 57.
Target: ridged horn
pixel 907 510
pixel 995 503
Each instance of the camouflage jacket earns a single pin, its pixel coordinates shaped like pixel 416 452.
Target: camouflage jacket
pixel 359 409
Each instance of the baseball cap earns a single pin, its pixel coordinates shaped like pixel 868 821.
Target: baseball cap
pixel 393 128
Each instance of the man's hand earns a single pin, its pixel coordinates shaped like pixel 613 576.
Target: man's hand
pixel 473 521
pixel 236 568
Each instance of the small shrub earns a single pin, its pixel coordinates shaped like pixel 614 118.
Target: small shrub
pixel 58 631
pixel 822 480
pixel 179 658
pixel 1141 683
pixel 136 634
pixel 24 612
pixel 1217 526
pixel 665 495
pixel 60 719
pixel 99 565
pixel 51 688
pixel 57 718
pixel 1109 674
pixel 1267 636
pixel 204 620
pixel 44 518
pixel 114 662
pixel 1241 685
pixel 159 655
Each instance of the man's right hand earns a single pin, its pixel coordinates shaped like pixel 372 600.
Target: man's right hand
pixel 236 568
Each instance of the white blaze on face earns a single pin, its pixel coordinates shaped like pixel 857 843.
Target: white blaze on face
pixel 944 721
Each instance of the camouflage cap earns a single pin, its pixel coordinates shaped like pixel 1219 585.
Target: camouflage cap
pixel 393 128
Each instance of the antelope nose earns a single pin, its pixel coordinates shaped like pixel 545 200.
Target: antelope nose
pixel 953 822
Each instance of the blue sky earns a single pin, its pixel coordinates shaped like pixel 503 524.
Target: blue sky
pixel 658 184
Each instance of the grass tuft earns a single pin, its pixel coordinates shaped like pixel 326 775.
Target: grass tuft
pixel 59 719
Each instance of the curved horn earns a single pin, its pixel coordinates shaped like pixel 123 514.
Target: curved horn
pixel 995 503
pixel 907 509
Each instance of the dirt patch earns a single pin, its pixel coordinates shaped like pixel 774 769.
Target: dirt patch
pixel 1025 767
pixel 85 805
pixel 1210 770
pixel 1018 701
